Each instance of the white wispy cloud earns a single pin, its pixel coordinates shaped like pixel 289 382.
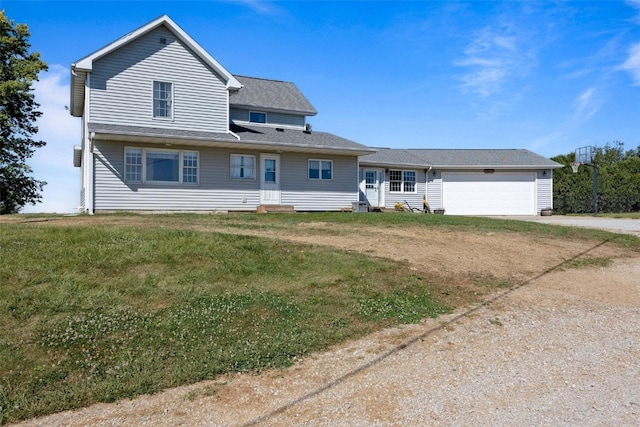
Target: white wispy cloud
pixel 586 105
pixel 260 6
pixel 493 56
pixel 636 4
pixel 559 135
pixel 53 163
pixel 632 64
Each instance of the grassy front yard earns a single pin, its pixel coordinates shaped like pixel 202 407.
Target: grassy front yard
pixel 94 310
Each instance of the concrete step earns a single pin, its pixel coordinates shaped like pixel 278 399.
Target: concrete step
pixel 275 209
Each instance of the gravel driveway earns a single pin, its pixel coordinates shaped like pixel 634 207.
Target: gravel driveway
pixel 617 225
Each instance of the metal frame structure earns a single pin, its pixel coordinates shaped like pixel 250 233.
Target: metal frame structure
pixel 586 156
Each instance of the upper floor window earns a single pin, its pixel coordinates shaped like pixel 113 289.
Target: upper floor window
pixel 402 181
pixel 256 117
pixel 243 167
pixel 162 97
pixel 145 165
pixel 320 169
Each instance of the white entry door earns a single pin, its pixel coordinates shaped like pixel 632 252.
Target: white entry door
pixel 269 179
pixel 372 181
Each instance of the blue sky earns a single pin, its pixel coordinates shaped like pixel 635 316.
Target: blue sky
pixel 545 76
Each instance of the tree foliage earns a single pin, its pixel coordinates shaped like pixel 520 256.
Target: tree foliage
pixel 19 68
pixel 618 182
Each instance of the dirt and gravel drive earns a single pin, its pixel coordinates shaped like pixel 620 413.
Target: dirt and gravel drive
pixel 617 225
pixel 560 348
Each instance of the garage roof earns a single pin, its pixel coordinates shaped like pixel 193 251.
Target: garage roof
pixel 460 158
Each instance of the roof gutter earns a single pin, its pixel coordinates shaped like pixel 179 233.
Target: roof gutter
pixel 272 110
pixel 124 136
pixel 523 167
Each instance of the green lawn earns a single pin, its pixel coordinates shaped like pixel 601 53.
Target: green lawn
pixel 98 312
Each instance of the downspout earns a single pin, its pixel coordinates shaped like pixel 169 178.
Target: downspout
pixel 425 201
pixel 89 159
pixel 229 131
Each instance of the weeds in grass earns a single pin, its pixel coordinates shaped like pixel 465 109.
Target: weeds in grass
pixel 93 314
pixel 406 306
pixel 496 322
pixel 99 313
pixel 584 262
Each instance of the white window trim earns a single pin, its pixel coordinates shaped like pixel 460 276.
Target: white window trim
pixel 153 110
pixel 266 118
pixel 403 182
pixel 126 149
pixel 320 178
pixel 180 167
pixel 255 167
pixel 190 184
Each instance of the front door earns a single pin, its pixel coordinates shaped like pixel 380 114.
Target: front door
pixel 372 182
pixel 269 179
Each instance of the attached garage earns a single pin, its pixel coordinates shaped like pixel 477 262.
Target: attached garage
pixel 480 193
pixel 468 181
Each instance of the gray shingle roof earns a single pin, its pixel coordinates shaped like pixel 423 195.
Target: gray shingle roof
pixel 251 137
pixel 296 137
pixel 139 131
pixel 457 158
pixel 393 157
pixel 271 95
pixel 158 132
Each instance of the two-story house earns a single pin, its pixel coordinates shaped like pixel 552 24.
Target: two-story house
pixel 165 127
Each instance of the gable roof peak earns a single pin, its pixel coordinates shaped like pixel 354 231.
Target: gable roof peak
pixel 82 67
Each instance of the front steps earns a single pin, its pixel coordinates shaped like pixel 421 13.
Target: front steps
pixel 275 209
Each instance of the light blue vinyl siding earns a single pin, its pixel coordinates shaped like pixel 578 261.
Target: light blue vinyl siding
pixel 414 199
pixel 239 115
pixel 434 190
pixel 318 195
pixel 544 188
pixel 122 86
pixel 216 190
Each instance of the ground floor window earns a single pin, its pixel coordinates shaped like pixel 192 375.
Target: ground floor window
pixel 243 167
pixel 402 181
pixel 320 169
pixel 146 165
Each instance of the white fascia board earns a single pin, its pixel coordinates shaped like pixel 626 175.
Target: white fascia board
pixel 395 165
pixel 195 141
pixel 496 167
pixel 272 110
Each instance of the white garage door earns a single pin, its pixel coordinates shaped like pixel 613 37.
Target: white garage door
pixel 488 193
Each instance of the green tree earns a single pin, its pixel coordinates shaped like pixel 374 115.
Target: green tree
pixel 19 68
pixel 618 182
